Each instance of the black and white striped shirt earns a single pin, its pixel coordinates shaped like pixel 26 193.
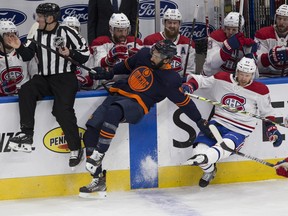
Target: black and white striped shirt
pixel 50 63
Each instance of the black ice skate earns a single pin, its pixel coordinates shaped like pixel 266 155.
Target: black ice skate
pixel 75 158
pixel 21 142
pixel 207 178
pixel 96 189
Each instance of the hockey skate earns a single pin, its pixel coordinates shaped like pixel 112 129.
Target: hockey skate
pixel 207 178
pixel 96 189
pixel 197 160
pixel 94 161
pixel 21 143
pixel 75 158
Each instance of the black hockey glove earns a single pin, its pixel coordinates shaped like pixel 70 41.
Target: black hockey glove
pixel 203 125
pixel 99 73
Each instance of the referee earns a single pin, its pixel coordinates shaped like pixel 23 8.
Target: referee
pixel 55 77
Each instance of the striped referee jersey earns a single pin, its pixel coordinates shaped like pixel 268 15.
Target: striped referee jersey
pixel 45 42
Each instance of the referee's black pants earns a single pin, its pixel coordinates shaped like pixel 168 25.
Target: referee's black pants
pixel 63 87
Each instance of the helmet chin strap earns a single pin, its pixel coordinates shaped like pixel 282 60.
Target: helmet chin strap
pixel 46 23
pixel 159 65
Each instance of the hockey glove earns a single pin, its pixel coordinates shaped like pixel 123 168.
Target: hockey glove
pixel 99 73
pixel 274 135
pixel 277 54
pixel 250 48
pixel 132 51
pixel 203 125
pixel 118 51
pixel 8 88
pixel 187 87
pixel 233 43
pixel 281 168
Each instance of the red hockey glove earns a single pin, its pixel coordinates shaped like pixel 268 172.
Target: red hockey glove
pixel 132 51
pixel 282 168
pixel 274 135
pixel 118 51
pixel 8 88
pixel 277 54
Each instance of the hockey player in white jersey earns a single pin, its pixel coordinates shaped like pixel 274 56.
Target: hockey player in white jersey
pixel 13 72
pixel 172 20
pixel 109 51
pixel 242 93
pixel 272 41
pixel 84 80
pixel 226 46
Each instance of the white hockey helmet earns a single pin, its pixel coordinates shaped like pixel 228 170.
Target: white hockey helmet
pixel 282 10
pixel 119 20
pixel 247 65
pixel 172 14
pixel 7 27
pixel 72 22
pixel 232 20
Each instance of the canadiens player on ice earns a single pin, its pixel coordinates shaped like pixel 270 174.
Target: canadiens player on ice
pixel 172 20
pixel 273 52
pixel 241 92
pixel 150 81
pixel 226 47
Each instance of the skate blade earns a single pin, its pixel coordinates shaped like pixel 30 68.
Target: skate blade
pixel 95 195
pixel 16 148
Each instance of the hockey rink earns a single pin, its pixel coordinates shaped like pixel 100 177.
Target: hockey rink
pixel 265 198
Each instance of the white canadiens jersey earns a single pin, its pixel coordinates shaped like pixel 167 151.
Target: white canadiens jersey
pixel 213 62
pixel 18 70
pixel 181 42
pixel 102 45
pixel 253 98
pixel 267 38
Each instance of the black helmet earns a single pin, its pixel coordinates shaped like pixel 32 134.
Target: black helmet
pixel 166 48
pixel 49 9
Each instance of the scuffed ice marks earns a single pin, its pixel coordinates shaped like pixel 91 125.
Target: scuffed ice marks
pixel 148 170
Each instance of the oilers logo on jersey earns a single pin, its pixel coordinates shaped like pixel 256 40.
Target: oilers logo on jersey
pixel 141 79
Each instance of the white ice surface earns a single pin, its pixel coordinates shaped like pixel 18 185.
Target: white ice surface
pixel 265 198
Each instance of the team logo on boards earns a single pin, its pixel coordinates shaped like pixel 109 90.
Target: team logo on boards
pixel 15 16
pixel 199 30
pixel 234 101
pixel 80 11
pixel 55 141
pixel 141 79
pixel 147 8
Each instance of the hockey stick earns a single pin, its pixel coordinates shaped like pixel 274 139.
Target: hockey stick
pixel 239 25
pixel 206 17
pixel 220 141
pixel 137 25
pixel 65 57
pixel 216 103
pixel 191 38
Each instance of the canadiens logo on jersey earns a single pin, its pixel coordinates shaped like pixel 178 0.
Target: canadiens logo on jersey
pixel 15 73
pixel 176 63
pixel 9 80
pixel 234 101
pixel 141 79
